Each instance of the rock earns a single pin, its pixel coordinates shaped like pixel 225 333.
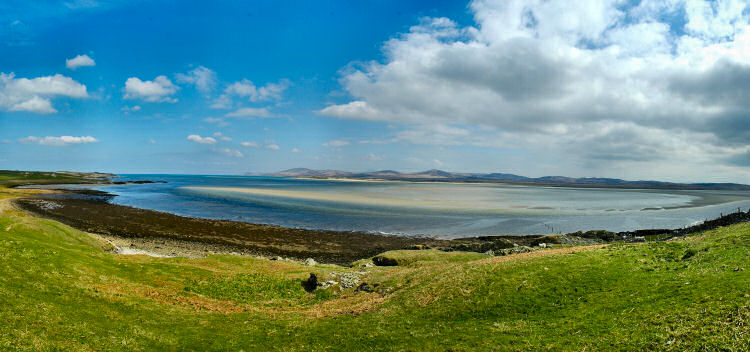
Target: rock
pixel 542 245
pixel 490 252
pixel 384 261
pixel 311 283
pixel 348 280
pixel 328 284
pixel 368 265
pixel 479 244
pixel 277 258
pixel 363 287
pixel 310 262
pixel 639 239
pixel 551 239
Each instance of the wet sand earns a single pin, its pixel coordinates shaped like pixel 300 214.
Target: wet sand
pixel 698 199
pixel 336 197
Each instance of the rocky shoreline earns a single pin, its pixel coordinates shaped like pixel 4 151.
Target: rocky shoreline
pixel 167 234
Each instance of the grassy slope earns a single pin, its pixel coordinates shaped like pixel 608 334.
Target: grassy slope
pixel 60 290
pixel 16 178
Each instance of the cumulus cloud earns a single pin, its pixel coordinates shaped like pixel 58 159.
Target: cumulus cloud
pixel 159 90
pixel 79 61
pixel 246 89
pixel 251 112
pixel 202 78
pixel 272 147
pixel 202 140
pixel 34 95
pixel 555 72
pixel 58 141
pixel 296 150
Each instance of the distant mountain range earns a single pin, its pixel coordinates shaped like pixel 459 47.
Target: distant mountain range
pixel 435 175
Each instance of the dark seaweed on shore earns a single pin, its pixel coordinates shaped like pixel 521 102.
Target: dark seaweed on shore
pixel 97 216
pixel 92 211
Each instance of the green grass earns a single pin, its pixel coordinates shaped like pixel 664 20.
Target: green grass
pixel 10 178
pixel 60 290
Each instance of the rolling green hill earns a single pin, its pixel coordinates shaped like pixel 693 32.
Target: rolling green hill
pixel 60 289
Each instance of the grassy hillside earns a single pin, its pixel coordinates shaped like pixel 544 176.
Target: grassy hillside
pixel 10 178
pixel 61 289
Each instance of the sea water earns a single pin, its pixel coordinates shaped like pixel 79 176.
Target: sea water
pixel 445 210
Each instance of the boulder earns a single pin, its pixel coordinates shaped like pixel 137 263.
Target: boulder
pixel 363 287
pixel 310 262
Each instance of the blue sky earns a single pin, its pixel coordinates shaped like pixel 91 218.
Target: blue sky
pixel 642 89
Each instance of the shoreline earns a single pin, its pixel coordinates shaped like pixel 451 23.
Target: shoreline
pixel 144 231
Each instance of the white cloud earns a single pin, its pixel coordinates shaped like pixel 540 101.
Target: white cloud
pixel 58 141
pixel 152 141
pixel 251 112
pixel 543 75
pixel 158 90
pixel 81 4
pixel 272 147
pixel 295 150
pixel 35 104
pixel 250 144
pixel 336 143
pixel 355 109
pixel 374 157
pixel 202 140
pixel 222 137
pixel 79 61
pixel 231 152
pixel 218 121
pixel 248 90
pixel 203 78
pixel 133 108
pixel 34 95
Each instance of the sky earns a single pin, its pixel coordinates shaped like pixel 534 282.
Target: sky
pixel 651 89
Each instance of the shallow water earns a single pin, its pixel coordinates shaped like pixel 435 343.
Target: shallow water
pixel 438 209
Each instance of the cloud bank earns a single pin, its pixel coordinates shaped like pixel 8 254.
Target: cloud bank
pixel 601 81
pixel 58 141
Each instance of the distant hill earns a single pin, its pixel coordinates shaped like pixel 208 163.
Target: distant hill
pixel 435 175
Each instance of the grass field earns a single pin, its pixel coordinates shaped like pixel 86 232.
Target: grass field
pixel 10 178
pixel 60 289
